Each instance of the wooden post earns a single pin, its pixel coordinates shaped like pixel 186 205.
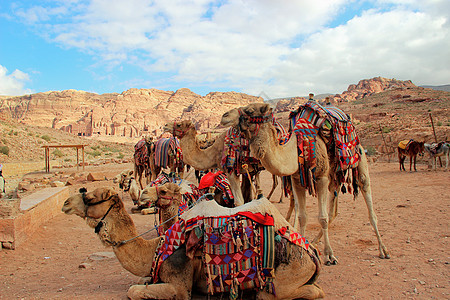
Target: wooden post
pixel 435 138
pixel 82 150
pixel 78 160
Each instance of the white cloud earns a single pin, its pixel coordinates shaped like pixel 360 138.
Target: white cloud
pixel 280 47
pixel 13 84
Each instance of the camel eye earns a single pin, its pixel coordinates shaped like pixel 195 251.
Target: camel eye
pixel 225 114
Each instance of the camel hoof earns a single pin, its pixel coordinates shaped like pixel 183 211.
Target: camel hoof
pixel 331 260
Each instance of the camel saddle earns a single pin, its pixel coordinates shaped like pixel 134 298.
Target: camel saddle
pixel 238 244
pixel 142 151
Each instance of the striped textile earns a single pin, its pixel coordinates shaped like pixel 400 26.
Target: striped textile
pixel 162 151
pixel 237 152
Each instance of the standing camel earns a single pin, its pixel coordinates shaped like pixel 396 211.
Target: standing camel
pixel 409 148
pixel 282 160
pixel 143 159
pixel 180 275
pixel 204 159
pixel 167 154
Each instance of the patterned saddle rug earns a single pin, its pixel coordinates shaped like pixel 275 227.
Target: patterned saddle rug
pixel 238 250
pixel 336 129
pixel 142 153
pixel 162 151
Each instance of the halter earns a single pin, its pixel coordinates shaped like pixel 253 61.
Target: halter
pixel 182 133
pixel 258 120
pixel 158 204
pixel 88 204
pixel 126 189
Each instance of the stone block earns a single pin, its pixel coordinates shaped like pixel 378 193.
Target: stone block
pixel 98 176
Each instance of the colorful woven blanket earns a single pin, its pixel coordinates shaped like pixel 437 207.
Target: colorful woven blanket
pixel 218 180
pixel 238 250
pixel 141 153
pixel 312 119
pixel 236 152
pixel 162 151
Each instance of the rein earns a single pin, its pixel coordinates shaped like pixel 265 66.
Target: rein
pixel 88 204
pixel 158 204
pixel 175 130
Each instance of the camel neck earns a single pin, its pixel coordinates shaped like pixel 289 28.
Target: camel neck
pixel 274 157
pixel 201 159
pixel 136 256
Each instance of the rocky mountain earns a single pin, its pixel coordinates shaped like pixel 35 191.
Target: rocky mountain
pixel 133 113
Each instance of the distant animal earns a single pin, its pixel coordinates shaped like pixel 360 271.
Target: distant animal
pixel 436 150
pixel 143 158
pixel 409 148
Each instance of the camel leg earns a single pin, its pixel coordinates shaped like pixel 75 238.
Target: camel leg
pixel 274 185
pixel 300 215
pixel 410 163
pixel 291 208
pixel 155 291
pixel 322 189
pixel 235 188
pixel 364 185
pixel 307 291
pixel 332 212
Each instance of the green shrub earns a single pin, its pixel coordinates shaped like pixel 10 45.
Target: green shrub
pixel 46 138
pixel 95 153
pixel 58 153
pixel 386 129
pixel 439 123
pixel 371 151
pixel 120 156
pixel 4 150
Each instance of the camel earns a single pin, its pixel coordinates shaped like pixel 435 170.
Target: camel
pixel 180 275
pixel 204 159
pixel 143 159
pixel 436 150
pixel 409 148
pixel 282 160
pixel 158 158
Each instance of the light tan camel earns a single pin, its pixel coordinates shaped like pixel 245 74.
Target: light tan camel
pixel 282 160
pixel 178 274
pixel 204 159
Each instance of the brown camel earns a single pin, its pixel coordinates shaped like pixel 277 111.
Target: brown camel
pixel 143 160
pixel 180 275
pixel 282 160
pixel 208 158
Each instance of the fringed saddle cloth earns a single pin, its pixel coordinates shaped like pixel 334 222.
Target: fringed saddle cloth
pixel 336 129
pixel 238 250
pixel 162 151
pixel 142 153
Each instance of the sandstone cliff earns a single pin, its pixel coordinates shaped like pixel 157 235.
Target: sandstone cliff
pixel 133 113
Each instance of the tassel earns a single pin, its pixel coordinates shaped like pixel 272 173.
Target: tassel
pixel 98 227
pixel 239 243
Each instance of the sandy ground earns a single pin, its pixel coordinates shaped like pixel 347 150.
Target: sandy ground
pixel 412 210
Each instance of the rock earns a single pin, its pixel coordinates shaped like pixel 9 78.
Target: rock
pixel 57 184
pixel 97 176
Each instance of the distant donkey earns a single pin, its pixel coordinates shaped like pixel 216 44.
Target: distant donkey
pixel 436 150
pixel 409 148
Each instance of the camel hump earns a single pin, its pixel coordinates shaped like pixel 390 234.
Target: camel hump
pixel 207 209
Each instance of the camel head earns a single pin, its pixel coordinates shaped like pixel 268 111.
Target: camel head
pixel 230 118
pixel 93 205
pixel 122 176
pixel 179 129
pixel 161 196
pixel 74 205
pixel 252 116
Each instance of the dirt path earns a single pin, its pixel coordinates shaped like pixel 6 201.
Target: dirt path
pixel 412 211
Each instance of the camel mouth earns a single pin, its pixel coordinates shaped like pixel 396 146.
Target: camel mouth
pixel 167 127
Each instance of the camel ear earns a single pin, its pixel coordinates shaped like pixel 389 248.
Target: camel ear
pixel 265 108
pixel 107 193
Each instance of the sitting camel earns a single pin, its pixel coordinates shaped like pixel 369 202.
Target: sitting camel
pixel 180 275
pixel 436 150
pixel 409 148
pixel 282 160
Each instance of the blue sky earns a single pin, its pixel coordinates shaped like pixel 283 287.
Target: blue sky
pixel 280 47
